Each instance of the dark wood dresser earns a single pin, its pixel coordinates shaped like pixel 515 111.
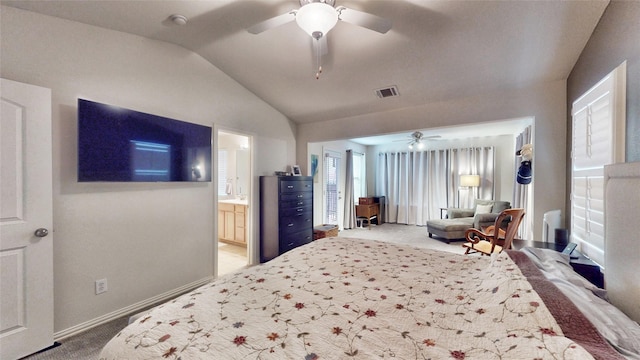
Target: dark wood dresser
pixel 286 214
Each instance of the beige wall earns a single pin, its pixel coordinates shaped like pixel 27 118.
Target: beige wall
pixel 545 103
pixel 616 39
pixel 134 234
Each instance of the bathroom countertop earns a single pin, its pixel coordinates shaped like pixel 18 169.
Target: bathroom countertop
pixel 235 201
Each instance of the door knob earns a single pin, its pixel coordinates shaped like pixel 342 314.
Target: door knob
pixel 41 232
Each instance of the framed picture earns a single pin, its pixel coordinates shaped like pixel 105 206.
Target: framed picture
pixel 295 170
pixel 314 167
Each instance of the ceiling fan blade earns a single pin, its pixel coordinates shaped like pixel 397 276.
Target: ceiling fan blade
pixel 273 22
pixel 366 20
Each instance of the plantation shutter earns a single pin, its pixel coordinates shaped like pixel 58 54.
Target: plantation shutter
pixel 597 125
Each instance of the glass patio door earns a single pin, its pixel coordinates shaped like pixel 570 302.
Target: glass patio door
pixel 331 188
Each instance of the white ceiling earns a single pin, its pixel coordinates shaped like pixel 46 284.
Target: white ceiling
pixel 436 50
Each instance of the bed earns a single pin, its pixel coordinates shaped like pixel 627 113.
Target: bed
pixel 341 298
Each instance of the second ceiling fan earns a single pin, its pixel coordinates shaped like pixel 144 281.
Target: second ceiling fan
pixel 318 17
pixel 416 139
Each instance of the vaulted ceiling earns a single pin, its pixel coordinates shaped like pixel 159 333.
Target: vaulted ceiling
pixel 435 50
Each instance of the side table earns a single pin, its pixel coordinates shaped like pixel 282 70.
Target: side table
pixel 580 263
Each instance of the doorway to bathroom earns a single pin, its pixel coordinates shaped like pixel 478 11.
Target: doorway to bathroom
pixel 234 201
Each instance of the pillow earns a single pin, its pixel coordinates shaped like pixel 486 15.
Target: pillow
pixel 483 209
pixel 499 206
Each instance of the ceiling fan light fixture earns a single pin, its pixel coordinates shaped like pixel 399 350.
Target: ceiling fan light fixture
pixel 317 19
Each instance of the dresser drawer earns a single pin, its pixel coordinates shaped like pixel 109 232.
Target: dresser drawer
pixel 296 203
pixel 291 224
pixel 295 186
pixel 305 195
pixel 294 240
pixel 296 211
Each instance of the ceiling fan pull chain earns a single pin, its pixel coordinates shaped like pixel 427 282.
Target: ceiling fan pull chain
pixel 318 57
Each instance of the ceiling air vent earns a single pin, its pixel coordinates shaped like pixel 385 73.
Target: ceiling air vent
pixel 387 92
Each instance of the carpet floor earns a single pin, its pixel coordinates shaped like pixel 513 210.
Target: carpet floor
pixel 403 234
pixel 87 345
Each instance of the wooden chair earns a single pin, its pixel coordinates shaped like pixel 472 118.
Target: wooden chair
pixel 494 238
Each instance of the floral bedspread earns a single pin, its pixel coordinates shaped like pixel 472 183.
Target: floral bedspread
pixel 340 298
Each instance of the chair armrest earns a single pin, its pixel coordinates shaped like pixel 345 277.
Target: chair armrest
pixel 454 213
pixel 475 236
pixel 491 229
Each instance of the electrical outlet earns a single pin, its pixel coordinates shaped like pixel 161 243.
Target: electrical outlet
pixel 101 286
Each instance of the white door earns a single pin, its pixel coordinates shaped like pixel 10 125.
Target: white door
pixel 26 242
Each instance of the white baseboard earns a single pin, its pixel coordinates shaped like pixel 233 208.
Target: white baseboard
pixel 74 330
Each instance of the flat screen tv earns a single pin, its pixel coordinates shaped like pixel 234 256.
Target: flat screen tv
pixel 120 145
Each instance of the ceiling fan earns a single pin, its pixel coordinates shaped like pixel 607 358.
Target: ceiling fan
pixel 318 17
pixel 416 139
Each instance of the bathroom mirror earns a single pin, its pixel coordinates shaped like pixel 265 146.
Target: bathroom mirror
pixel 242 172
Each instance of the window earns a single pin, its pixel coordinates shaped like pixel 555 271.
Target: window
pixel 597 140
pixel 359 176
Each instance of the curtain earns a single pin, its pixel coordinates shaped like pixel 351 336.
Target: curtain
pixel 438 167
pixel 418 184
pixel 473 161
pixel 349 205
pixel 381 182
pixel 522 193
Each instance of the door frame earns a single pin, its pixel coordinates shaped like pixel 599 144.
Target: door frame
pixel 252 245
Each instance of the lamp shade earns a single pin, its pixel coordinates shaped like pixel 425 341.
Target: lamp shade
pixel 470 180
pixel 316 18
